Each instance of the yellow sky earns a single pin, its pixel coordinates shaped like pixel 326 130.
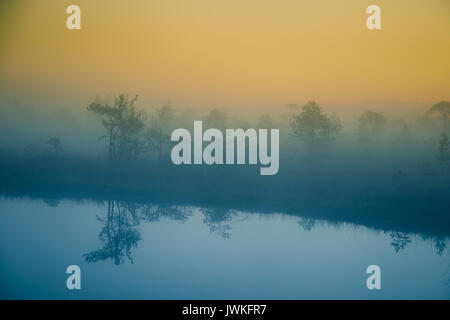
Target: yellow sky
pixel 229 53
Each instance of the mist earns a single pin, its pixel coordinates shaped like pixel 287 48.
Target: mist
pixel 365 167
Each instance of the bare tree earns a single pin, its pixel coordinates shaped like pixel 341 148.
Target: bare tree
pixel 442 111
pixel 123 125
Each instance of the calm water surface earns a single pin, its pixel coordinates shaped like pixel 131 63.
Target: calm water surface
pixel 133 251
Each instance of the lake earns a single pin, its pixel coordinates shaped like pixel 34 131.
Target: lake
pixel 128 250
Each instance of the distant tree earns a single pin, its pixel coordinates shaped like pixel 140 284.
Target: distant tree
pixel 291 107
pixel 444 152
pixel 442 111
pixel 265 122
pixel 215 119
pixel 313 126
pixel 239 123
pixel 425 122
pixel 218 220
pixel 289 110
pixel 124 125
pixel 118 235
pixel 158 135
pixel 371 124
pixel 54 146
pixel 403 138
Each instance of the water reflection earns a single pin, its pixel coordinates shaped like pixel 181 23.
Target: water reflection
pixel 218 221
pixel 440 245
pixel 399 240
pixel 224 252
pixel 120 235
pixel 307 223
pixel 52 202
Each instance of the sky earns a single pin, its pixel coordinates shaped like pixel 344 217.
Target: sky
pixel 234 54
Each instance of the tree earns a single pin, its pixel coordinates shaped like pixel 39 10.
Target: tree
pixel 371 124
pixel 403 136
pixel 158 136
pixel 313 126
pixel 442 111
pixel 215 119
pixel 265 122
pixel 239 123
pixel 289 110
pixel 124 126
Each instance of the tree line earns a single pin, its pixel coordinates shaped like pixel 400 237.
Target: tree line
pixel 129 134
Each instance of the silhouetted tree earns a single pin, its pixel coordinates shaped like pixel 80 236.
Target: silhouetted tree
pixel 403 134
pixel 314 127
pixel 215 119
pixel 124 126
pixel 265 122
pixel 289 110
pixel 442 111
pixel 239 123
pixel 158 136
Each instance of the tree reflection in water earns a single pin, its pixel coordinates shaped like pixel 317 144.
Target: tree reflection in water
pixel 119 233
pixel 399 240
pixel 218 221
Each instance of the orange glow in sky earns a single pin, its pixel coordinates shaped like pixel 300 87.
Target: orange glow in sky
pixel 232 53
